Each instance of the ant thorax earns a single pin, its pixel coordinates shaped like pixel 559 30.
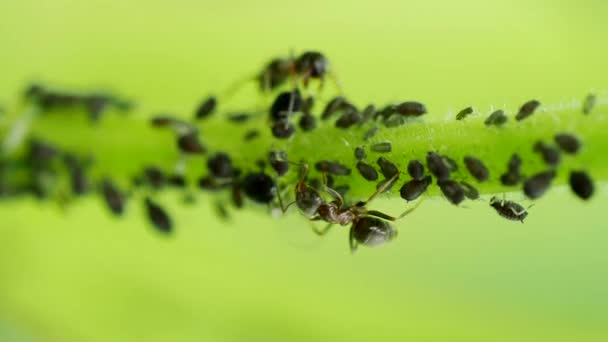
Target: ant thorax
pixel 331 212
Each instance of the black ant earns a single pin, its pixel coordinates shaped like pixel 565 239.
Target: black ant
pixel 368 227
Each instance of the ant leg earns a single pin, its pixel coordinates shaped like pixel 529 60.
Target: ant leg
pixel 323 231
pixel 381 215
pixel 380 190
pixel 336 82
pixel 333 193
pixel 236 86
pixel 283 207
pixel 410 210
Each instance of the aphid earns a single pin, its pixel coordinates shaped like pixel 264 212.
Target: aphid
pixel 415 169
pixel 437 167
pixel 333 106
pixel 189 143
pixel 162 121
pixel 412 189
pixel 451 190
pixel 550 154
pixel 370 133
pixel 464 113
pixel 158 216
pixel 307 122
pixel 154 176
pixel 332 167
pixel 527 109
pixel 360 153
pixel 282 129
pixel 41 152
pixel 395 120
pixel 177 180
pixel 476 168
pixel 410 108
pixel 567 143
pixel 220 165
pixel 348 119
pixel 278 162
pixel 213 184
pixel 387 168
pixel 509 209
pixel 251 135
pixel 513 174
pixel 238 118
pixel 367 171
pixel 538 184
pixel 285 104
pixel 382 147
pixel 114 199
pixel 589 103
pixel 581 184
pixel 307 105
pixel 470 191
pixel 342 189
pixel 78 179
pixel 497 118
pixel 206 108
pixel 450 163
pixel 237 195
pixel 259 187
pixel 368 113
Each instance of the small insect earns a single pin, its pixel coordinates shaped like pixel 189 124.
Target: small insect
pixel 259 187
pixel 470 191
pixel 476 168
pixel 450 163
pixel 237 195
pixel 509 209
pixel 278 162
pixel 332 167
pixel 282 129
pixel 251 135
pixel 368 113
pixel 78 179
pixel 387 168
pixel 550 155
pixel 360 153
pixel 158 216
pixel 333 106
pixel 307 122
pixel 114 199
pixel 206 108
pixel 538 184
pixel 307 105
pixel 177 180
pixel 513 174
pixel 589 103
pixel 497 118
pixel 239 118
pixel 348 119
pixel 162 121
pixel 410 108
pixel 220 165
pixel 452 191
pixel 567 143
pixel 370 133
pixel 415 169
pixel 437 167
pixel 412 189
pixel 189 143
pixel 367 171
pixel 154 177
pixel 527 109
pixel 581 184
pixel 464 113
pixel 285 104
pixel 382 147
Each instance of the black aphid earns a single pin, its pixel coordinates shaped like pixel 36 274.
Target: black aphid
pixel 410 108
pixel 470 191
pixel 387 168
pixel 307 105
pixel 283 129
pixel 538 184
pixel 285 104
pixel 251 135
pixel 307 122
pixel 211 183
pixel 348 119
pixel 415 169
pixel 367 171
pixel 368 113
pixel 412 189
pixel 509 209
pixel 278 162
pixel 220 165
pixel 360 153
pixel 567 143
pixel 382 147
pixel 476 168
pixel 113 197
pixel 154 177
pixel 333 106
pixel 176 180
pixel 550 154
pixel 589 103
pixel 259 187
pixel 206 108
pixel 162 121
pixel 527 109
pixel 497 118
pixel 332 167
pixel 581 184
pixel 370 133
pixel 239 118
pixel 451 190
pixel 450 163
pixel 342 189
pixel 189 143
pixel 78 178
pixel 237 195
pixel 513 174
pixel 436 165
pixel 464 113
pixel 158 216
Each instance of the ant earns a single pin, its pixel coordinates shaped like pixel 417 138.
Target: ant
pixel 368 227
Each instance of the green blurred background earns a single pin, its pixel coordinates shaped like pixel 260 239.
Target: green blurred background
pixel 453 274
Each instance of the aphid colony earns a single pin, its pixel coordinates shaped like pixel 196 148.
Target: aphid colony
pixel 279 182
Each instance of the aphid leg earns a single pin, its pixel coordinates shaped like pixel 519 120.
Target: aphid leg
pixel 380 190
pixel 410 210
pixel 323 231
